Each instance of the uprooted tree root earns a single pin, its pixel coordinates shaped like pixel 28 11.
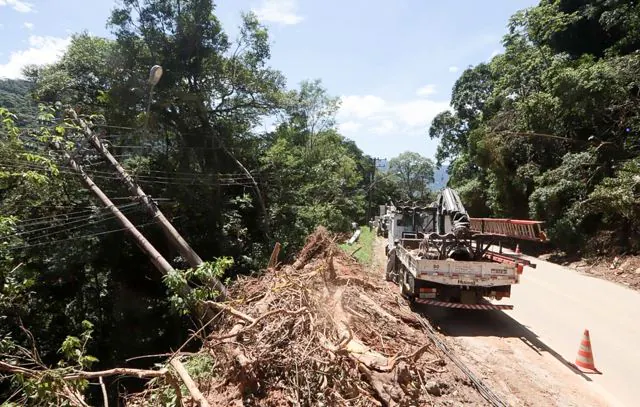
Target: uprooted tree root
pixel 319 333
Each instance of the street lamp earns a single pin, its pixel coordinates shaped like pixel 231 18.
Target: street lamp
pixel 154 77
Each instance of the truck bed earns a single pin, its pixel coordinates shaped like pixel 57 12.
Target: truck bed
pixel 459 273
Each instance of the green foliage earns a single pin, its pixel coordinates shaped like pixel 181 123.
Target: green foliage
pixel 74 349
pixel 199 280
pixel 48 386
pixel 545 129
pixel 363 248
pixel 414 175
pixel 64 258
pixel 316 175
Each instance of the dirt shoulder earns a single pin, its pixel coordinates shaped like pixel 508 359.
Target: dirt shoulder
pixel 623 270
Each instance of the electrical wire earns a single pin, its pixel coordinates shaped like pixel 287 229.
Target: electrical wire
pixel 39 239
pixel 142 178
pixel 72 222
pixel 80 237
pixel 69 215
pixel 85 209
pixel 97 212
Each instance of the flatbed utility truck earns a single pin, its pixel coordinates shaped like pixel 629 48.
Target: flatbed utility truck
pixel 440 256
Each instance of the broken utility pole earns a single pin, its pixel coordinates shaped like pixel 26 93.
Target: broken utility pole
pixel 172 234
pixel 156 258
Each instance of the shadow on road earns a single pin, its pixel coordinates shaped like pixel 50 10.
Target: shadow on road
pixel 472 323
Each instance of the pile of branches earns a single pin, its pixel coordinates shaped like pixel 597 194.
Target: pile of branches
pixel 320 332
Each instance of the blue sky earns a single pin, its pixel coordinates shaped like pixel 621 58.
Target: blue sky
pixel 393 63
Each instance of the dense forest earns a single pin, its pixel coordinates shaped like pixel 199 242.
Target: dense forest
pixel 548 130
pixel 73 284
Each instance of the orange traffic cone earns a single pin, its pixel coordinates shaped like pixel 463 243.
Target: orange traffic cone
pixel 518 249
pixel 585 355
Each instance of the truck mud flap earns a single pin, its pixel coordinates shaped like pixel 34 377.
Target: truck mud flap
pixel 484 306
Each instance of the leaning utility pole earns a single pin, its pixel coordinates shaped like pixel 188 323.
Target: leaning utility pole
pixel 156 258
pixel 181 245
pixel 172 234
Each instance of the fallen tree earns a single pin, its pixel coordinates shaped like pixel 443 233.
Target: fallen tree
pixel 319 332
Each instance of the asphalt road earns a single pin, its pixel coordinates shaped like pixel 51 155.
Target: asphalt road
pixel 558 304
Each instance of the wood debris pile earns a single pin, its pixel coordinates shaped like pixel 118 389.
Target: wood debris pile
pixel 324 332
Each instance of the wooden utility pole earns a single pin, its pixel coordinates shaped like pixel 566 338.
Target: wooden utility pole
pixel 171 233
pixel 373 180
pixel 156 258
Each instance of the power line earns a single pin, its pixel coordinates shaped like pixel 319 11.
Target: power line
pixel 83 209
pixel 70 216
pixel 229 181
pixel 79 237
pixel 158 181
pixel 68 223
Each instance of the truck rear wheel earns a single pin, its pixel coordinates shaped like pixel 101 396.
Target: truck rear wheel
pixel 391 265
pixel 406 278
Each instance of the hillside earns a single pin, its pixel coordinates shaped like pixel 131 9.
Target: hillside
pixel 550 129
pixel 14 96
pixel 440 177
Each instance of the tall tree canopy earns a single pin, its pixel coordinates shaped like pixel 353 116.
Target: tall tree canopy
pixel 551 127
pixel 194 144
pixel 414 175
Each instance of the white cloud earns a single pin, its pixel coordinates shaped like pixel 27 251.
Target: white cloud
pixel 278 11
pixel 366 114
pixel 494 53
pixel 28 26
pixel 384 127
pixel 361 106
pixel 418 113
pixel 426 90
pixel 349 127
pixel 42 50
pixel 18 5
pixel 453 69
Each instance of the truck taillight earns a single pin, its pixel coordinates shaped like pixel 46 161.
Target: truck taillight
pixel 519 268
pixel 427 292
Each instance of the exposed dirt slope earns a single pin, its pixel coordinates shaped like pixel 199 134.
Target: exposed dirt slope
pixel 624 270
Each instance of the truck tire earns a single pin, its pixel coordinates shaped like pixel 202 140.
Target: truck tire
pixel 391 265
pixel 406 276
